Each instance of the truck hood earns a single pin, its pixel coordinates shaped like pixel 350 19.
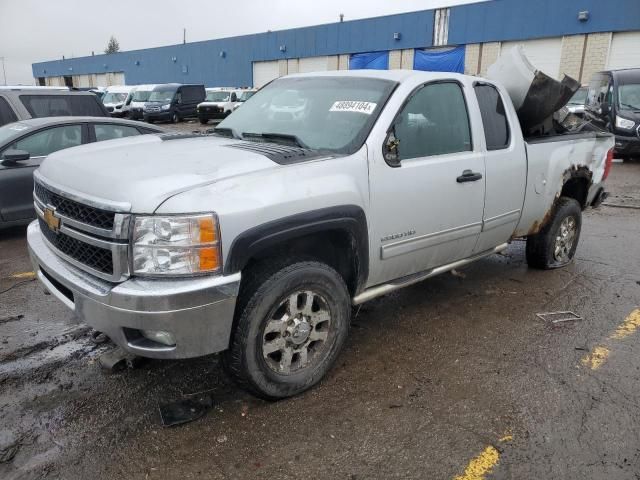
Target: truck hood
pixel 139 173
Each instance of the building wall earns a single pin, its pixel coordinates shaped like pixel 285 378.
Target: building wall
pixel 571 58
pixel 483 27
pixel 472 59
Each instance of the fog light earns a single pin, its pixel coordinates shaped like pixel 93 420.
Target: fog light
pixel 159 336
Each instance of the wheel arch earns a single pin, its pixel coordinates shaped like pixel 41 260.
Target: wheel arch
pixel 336 235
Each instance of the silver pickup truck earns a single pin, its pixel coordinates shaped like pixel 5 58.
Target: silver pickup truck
pixel 322 192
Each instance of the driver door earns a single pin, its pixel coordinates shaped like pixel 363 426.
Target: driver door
pixel 427 193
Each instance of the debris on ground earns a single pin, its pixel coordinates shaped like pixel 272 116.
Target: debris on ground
pixel 98 337
pixel 458 274
pixel 185 410
pixel 119 359
pixel 559 317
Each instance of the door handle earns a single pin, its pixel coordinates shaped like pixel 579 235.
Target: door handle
pixel 469 176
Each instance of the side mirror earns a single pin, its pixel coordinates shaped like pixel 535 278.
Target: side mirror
pixel 234 97
pixel 604 108
pixel 13 156
pixel 390 150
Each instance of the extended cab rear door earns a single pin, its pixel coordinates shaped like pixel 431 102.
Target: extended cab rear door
pixel 505 166
pixel 427 202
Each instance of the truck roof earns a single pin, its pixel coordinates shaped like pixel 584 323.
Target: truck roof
pixel 393 75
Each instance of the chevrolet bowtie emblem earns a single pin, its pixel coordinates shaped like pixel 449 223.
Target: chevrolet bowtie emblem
pixel 51 220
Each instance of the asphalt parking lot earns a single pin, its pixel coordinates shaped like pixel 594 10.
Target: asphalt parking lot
pixel 455 377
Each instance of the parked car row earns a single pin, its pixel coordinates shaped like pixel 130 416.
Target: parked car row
pixel 35 122
pixel 173 102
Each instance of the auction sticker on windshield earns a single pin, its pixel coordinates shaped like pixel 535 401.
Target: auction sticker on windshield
pixel 353 106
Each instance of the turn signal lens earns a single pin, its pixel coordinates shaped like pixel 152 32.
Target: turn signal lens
pixel 208 232
pixel 209 259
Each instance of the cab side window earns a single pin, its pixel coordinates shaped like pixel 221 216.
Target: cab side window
pixel 45 142
pixel 433 122
pixel 109 131
pixel 494 117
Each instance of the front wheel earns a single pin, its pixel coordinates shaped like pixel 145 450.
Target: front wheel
pixel 175 118
pixel 292 323
pixel 555 245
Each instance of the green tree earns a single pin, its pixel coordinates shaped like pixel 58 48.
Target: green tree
pixel 113 46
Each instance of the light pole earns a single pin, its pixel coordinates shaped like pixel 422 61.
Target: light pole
pixel 4 72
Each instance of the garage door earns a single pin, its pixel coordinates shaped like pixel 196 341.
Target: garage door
pixel 264 72
pixel 625 50
pixel 543 54
pixel 313 64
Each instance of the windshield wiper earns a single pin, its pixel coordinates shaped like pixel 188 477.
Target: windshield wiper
pixel 286 137
pixel 635 108
pixel 227 132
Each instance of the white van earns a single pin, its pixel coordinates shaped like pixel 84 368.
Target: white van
pixel 140 96
pixel 117 99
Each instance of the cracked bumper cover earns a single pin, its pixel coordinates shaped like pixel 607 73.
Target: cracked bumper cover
pixel 198 312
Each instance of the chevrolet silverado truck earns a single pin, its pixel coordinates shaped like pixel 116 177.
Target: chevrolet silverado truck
pixel 322 192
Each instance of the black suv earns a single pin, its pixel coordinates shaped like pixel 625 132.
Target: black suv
pixel 613 104
pixel 22 103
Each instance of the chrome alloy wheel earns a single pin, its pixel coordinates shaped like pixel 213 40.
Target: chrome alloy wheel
pixel 295 337
pixel 565 239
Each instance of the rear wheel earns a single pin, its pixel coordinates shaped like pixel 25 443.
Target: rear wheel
pixel 292 323
pixel 555 245
pixel 204 121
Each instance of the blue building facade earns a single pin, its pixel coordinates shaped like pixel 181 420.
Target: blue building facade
pixel 228 61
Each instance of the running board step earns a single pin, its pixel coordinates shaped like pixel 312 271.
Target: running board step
pixel 373 292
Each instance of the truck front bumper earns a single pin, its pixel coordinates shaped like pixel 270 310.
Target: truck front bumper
pixel 196 312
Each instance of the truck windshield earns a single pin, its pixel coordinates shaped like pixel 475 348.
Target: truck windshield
pixel 325 113
pixel 244 96
pixel 141 95
pixel 161 96
pixel 629 96
pixel 111 97
pixel 579 97
pixel 217 96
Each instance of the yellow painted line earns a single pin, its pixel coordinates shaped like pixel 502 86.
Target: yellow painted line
pixel 481 465
pixel 24 275
pixel 599 355
pixel 630 324
pixel 595 359
pixel 507 438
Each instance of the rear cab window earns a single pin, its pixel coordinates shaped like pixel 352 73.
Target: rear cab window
pixel 494 117
pixel 62 105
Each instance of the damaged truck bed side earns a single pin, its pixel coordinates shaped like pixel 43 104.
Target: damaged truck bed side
pixel 323 191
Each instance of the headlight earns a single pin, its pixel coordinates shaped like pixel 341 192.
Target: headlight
pixel 166 107
pixel 176 245
pixel 624 123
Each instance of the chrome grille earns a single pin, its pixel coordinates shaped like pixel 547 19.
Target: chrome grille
pixel 86 233
pixel 151 109
pixel 97 258
pixel 74 210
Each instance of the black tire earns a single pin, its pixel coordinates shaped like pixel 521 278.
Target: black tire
pixel 260 302
pixel 204 121
pixel 175 118
pixel 541 248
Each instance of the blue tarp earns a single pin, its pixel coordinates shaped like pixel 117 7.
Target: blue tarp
pixel 447 61
pixel 370 60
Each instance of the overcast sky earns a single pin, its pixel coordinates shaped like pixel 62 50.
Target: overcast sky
pixel 38 30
